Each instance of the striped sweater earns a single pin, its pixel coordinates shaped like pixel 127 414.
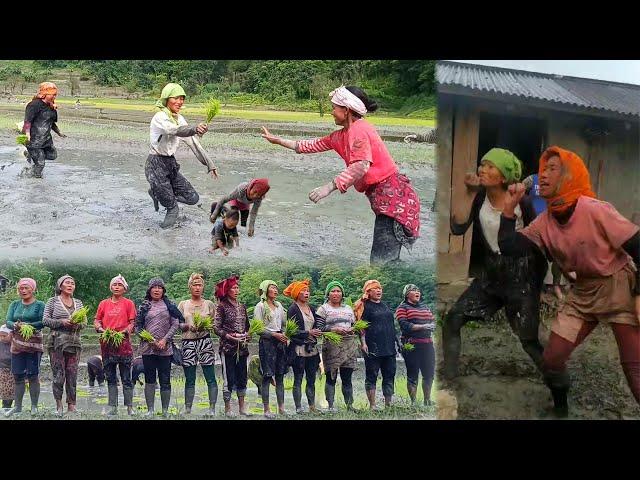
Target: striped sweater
pixel 408 315
pixel 61 338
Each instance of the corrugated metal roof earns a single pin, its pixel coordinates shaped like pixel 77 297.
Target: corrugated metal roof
pixel 585 93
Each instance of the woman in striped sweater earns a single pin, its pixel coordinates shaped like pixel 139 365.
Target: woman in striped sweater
pixel 64 341
pixel 417 325
pixel 370 169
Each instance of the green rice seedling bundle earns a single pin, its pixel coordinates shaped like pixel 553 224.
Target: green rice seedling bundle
pixel 256 327
pixel 146 336
pixel 202 322
pixel 27 330
pixel 112 337
pixel 212 108
pixel 80 316
pixel 360 326
pixel 332 337
pixel 21 139
pixel 290 328
pixel 408 347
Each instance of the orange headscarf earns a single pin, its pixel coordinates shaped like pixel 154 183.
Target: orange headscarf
pixel 358 307
pixel 575 183
pixel 294 289
pixel 47 88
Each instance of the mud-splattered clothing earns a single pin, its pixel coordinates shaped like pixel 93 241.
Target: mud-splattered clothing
pixel 230 319
pixel 222 233
pixel 61 338
pixel 238 198
pixel 380 336
pixel 344 354
pixel 155 317
pixel 39 120
pixel 272 352
pixel 64 368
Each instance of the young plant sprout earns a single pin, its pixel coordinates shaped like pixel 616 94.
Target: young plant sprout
pixel 80 316
pixel 27 331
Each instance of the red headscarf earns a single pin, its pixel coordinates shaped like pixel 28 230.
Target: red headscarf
pixel 261 185
pixel 575 183
pixel 223 287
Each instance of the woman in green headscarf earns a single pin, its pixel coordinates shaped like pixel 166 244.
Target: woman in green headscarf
pixel 168 127
pixel 341 357
pixel 272 347
pixel 510 282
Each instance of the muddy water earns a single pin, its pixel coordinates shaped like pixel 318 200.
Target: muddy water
pixel 92 205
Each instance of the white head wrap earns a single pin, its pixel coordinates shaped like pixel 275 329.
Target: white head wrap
pixel 120 279
pixel 343 97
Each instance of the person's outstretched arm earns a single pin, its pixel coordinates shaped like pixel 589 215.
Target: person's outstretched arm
pixel 194 144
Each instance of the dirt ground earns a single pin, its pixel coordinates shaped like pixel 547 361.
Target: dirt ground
pixel 498 380
pixel 92 204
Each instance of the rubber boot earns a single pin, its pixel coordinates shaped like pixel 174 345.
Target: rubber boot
pixel 20 388
pixel 213 397
pixel 165 399
pixel 189 393
pixel 558 382
pixel 330 395
pixel 156 205
pixel 127 393
pixel 34 393
pixel 149 397
pixel 171 217
pixel 112 395
pixel 413 391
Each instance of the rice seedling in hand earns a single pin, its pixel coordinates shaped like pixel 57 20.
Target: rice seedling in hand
pixel 202 322
pixel 332 337
pixel 112 337
pixel 360 326
pixel 256 326
pixel 27 330
pixel 212 108
pixel 290 328
pixel 146 336
pixel 79 317
pixel 408 347
pixel 22 139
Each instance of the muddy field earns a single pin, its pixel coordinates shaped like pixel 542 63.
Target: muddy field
pixel 92 204
pixel 498 380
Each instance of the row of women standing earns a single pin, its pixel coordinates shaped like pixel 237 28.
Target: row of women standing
pixel 161 318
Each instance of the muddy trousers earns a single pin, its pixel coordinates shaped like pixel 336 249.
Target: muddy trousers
pixel 422 359
pixel 20 387
pixel 38 157
pixel 305 367
pixel 481 301
pixel 385 247
pixel 558 351
pixel 125 376
pixel 235 375
pixel 386 365
pixel 64 367
pixel 347 386
pixel 168 185
pixel 264 389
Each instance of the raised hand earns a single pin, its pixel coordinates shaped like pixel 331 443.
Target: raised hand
pixel 515 192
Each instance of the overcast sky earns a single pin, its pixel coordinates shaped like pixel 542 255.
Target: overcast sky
pixel 626 71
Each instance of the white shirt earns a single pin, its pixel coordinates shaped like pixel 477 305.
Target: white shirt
pixel 490 221
pixel 276 318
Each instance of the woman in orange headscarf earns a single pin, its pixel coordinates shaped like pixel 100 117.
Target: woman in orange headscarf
pixel 589 237
pixel 303 349
pixel 40 118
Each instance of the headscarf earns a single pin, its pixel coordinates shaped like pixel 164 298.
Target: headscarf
pixel 358 307
pixel 5 329
pixel 47 88
pixel 261 185
pixel 294 288
pixel 264 288
pixel 343 97
pixel 195 278
pixel 170 90
pixel 576 181
pixel 330 286
pixel 119 279
pixel 410 287
pixel 223 287
pixel 27 281
pixel 59 283
pixel 155 282
pixel 506 162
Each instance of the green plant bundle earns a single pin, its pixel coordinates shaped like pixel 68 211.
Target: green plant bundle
pixel 21 139
pixel 146 336
pixel 202 322
pixel 80 316
pixel 256 327
pixel 408 347
pixel 212 107
pixel 360 326
pixel 332 337
pixel 27 331
pixel 112 337
pixel 290 328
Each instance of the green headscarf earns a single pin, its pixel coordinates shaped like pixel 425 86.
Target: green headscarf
pixel 264 288
pixel 410 287
pixel 506 162
pixel 170 90
pixel 330 286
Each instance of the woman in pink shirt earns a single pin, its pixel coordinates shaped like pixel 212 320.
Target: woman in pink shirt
pixel 589 237
pixel 370 169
